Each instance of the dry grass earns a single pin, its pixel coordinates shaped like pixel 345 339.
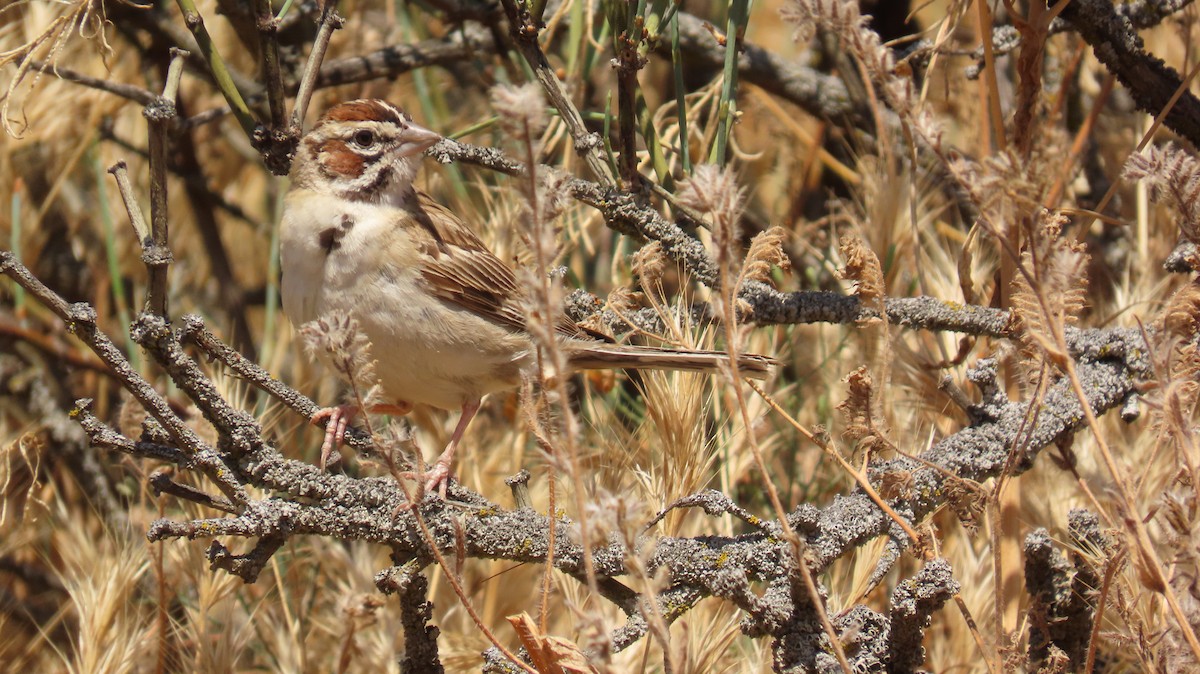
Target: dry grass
pixel 81 590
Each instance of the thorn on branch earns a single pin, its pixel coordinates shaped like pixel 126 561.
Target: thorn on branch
pixel 160 480
pixel 247 566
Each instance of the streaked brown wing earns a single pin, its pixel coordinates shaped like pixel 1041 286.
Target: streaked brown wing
pixel 461 270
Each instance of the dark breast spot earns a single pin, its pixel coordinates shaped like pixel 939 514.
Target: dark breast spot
pixel 330 238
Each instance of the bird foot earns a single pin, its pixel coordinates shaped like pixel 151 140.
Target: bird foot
pixel 337 420
pixel 438 477
pixel 435 479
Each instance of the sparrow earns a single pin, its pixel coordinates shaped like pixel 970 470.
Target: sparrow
pixel 444 315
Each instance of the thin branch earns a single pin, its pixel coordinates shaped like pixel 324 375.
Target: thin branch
pixel 81 318
pixel 194 331
pixel 129 91
pixel 216 65
pixel 402 58
pixel 157 255
pixel 43 341
pixel 330 21
pixel 525 30
pixel 1151 82
pixel 120 171
pixel 268 47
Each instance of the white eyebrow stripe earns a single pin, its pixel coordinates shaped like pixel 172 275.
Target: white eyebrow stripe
pixel 396 111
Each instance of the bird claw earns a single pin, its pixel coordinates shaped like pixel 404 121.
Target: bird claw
pixel 438 477
pixel 337 419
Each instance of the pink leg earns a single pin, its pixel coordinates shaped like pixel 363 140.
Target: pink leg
pixel 439 472
pixel 397 410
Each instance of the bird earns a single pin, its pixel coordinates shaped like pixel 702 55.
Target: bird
pixel 445 316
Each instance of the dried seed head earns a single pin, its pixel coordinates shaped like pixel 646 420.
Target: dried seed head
pixel 713 189
pixel 1173 177
pixel 766 252
pixel 862 267
pixel 553 195
pixel 336 340
pixel 522 110
pixel 650 264
pixel 623 300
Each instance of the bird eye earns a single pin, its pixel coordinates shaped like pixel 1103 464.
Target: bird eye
pixel 364 138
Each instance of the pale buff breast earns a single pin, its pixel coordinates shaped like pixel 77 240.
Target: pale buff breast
pixel 353 257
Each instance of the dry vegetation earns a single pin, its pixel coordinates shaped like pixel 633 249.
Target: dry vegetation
pixel 946 248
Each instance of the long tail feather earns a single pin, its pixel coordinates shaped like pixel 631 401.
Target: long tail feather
pixel 613 356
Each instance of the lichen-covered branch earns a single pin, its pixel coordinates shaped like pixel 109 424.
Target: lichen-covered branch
pixel 1150 81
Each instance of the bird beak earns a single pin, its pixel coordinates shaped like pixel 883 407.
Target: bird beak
pixel 415 140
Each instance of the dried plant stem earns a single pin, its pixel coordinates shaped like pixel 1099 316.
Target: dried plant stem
pixel 874 495
pixel 463 598
pixel 175 73
pixel 628 64
pixel 1082 138
pixel 1110 572
pixel 991 87
pixel 551 540
pixel 120 171
pixel 411 501
pixel 122 89
pixel 798 546
pixel 50 346
pixel 1159 118
pixel 551 350
pixel 162 618
pixel 1133 519
pixel 859 477
pixel 157 253
pixel 1035 29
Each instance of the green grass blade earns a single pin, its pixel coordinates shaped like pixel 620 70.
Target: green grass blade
pixel 735 26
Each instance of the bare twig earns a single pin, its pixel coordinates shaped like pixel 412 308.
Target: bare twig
pixel 628 62
pixel 45 342
pixel 330 21
pixel 401 58
pixel 1152 83
pixel 268 46
pixel 160 114
pixel 525 29
pixel 193 330
pixel 120 171
pixel 129 91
